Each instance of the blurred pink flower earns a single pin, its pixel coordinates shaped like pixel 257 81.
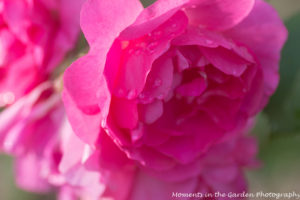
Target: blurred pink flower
pixel 30 130
pixel 34 130
pixel 35 35
pixel 168 82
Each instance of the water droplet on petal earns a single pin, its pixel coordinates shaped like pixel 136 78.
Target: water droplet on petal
pixel 124 44
pixel 157 83
pixel 151 47
pixel 203 74
pixel 174 25
pixel 103 123
pixel 157 33
pixel 234 72
pixel 131 94
pixel 193 6
pixel 143 163
pixel 130 51
pixel 141 96
pixel 137 52
pixel 207 41
pixel 141 45
pixel 244 90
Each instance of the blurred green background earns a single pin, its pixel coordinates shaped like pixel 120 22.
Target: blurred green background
pixel 278 126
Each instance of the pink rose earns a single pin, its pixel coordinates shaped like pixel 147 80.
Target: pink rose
pixel 35 35
pixel 219 170
pixel 168 82
pixel 34 130
pixel 30 130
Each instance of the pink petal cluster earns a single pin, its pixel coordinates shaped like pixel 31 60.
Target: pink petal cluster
pixel 35 35
pixel 169 82
pixel 35 130
pixel 220 169
pixel 31 130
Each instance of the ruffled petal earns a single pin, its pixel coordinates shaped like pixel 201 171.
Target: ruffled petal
pixel 104 20
pixel 264 39
pixel 218 14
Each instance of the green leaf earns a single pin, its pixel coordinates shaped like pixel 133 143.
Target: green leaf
pixel 262 129
pixel 147 3
pixel 284 107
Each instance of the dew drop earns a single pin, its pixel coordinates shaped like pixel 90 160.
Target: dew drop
pixel 244 90
pixel 203 74
pixel 103 123
pixel 141 96
pixel 143 163
pixel 157 83
pixel 130 51
pixel 124 44
pixel 142 45
pixel 151 47
pixel 157 33
pixel 137 52
pixel 193 6
pixel 207 41
pixel 131 94
pixel 234 72
pixel 174 25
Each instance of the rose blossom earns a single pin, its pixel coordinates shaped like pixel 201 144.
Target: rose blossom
pixel 169 81
pixel 34 130
pixel 35 35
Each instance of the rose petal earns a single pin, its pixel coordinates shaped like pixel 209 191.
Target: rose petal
pixel 194 88
pixel 106 19
pixel 124 112
pixel 218 14
pixel 149 113
pixel 140 54
pixel 225 60
pixel 265 39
